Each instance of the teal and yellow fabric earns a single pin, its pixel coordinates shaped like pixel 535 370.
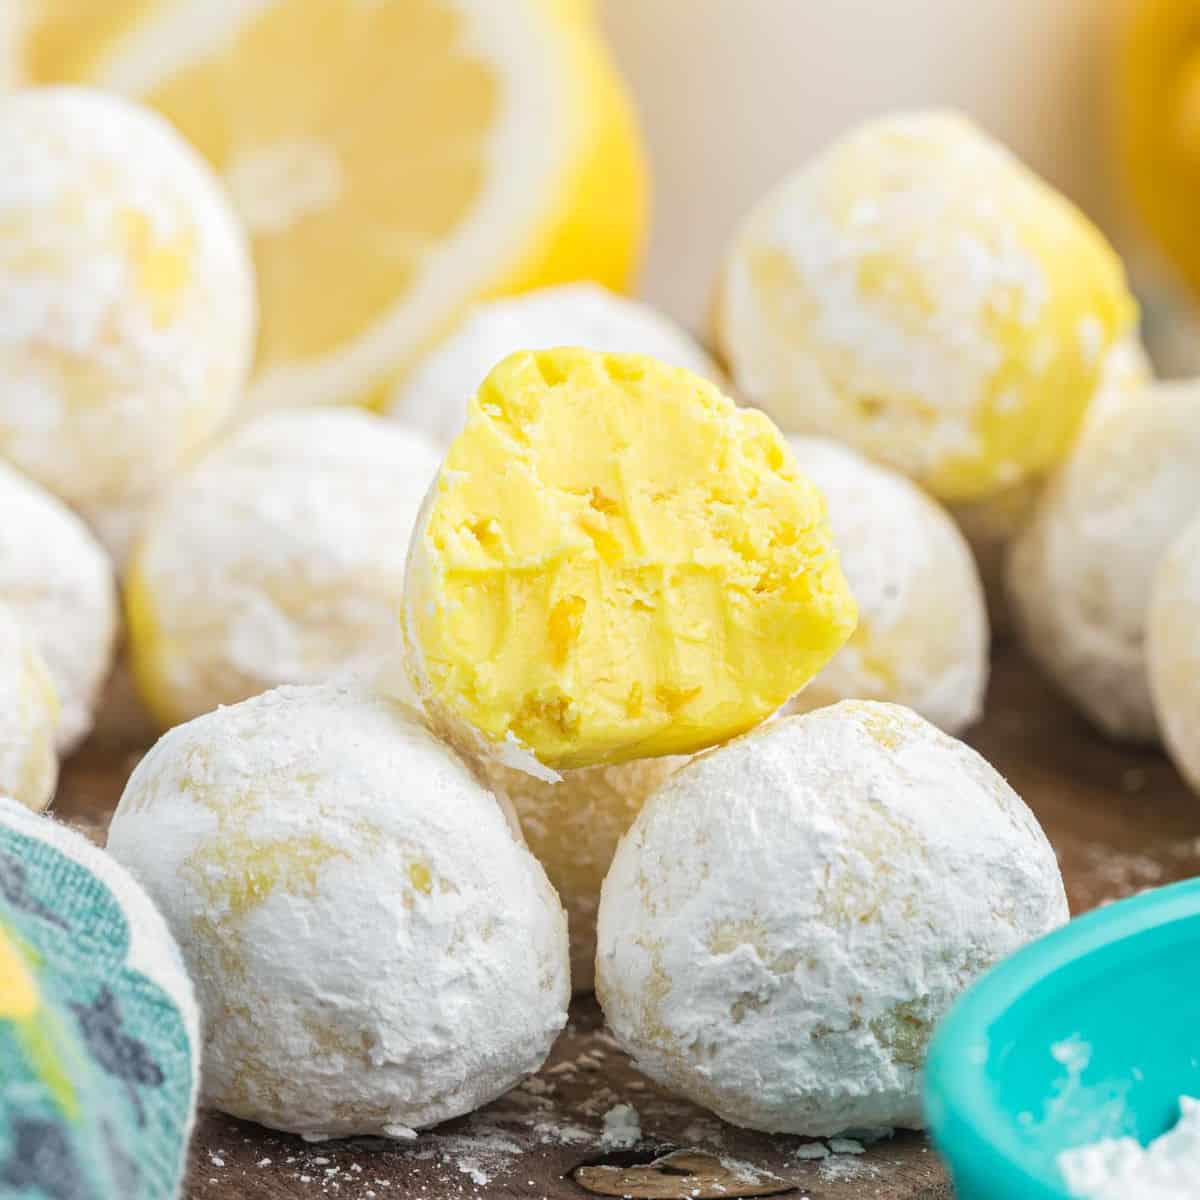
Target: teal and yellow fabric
pixel 98 1029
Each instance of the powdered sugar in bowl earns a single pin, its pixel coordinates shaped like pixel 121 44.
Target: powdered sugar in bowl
pixel 1087 1035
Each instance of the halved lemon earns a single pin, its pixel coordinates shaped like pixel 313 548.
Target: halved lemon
pixel 394 160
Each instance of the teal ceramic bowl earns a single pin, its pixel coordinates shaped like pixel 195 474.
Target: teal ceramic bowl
pixel 1091 1032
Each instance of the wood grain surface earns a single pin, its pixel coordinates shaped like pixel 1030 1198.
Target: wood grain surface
pixel 1121 821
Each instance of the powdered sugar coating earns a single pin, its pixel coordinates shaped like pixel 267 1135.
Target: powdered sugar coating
pixel 573 828
pixel 127 306
pixel 28 719
pixel 433 398
pixel 791 913
pixel 58 582
pixel 279 558
pixel 922 636
pixel 1173 649
pixel 1080 574
pixel 1123 1169
pixel 916 292
pixel 373 947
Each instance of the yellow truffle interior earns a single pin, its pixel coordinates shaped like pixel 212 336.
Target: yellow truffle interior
pixel 620 563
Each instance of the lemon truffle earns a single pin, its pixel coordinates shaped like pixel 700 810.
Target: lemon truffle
pixel 127 307
pixel 374 948
pixel 573 828
pixel 279 558
pixel 922 636
pixel 58 582
pixel 434 396
pixel 28 719
pixel 790 915
pixel 1080 573
pixel 1173 650
pixel 916 292
pixel 615 562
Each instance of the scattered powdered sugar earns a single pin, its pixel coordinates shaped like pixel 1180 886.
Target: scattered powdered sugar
pixel 1122 873
pixel 1123 1169
pixel 839 1167
pixel 622 1128
pixel 471 1167
pixel 811 1151
pixel 482 1154
pixel 842 1145
pixel 568 1134
pixel 742 1171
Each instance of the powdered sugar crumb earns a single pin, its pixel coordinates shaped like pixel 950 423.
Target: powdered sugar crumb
pixel 622 1127
pixel 811 1151
pixel 1117 1168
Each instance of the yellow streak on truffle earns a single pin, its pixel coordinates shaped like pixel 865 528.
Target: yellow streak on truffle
pixel 243 872
pixel 163 266
pixel 421 878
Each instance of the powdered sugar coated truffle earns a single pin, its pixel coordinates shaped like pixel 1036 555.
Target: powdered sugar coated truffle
pixel 28 719
pixel 573 828
pixel 1173 650
pixel 1080 574
pixel 373 946
pixel 434 396
pixel 127 306
pixel 791 913
pixel 917 292
pixel 58 582
pixel 278 559
pixel 922 636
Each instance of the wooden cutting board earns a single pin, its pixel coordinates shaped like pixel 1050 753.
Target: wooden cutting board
pixel 1120 820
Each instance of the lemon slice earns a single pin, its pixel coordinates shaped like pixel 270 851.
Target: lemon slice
pixel 392 162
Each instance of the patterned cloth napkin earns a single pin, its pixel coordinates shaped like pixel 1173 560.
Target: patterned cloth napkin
pixel 99 1039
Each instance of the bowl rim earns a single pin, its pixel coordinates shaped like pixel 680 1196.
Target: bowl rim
pixel 966 1124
